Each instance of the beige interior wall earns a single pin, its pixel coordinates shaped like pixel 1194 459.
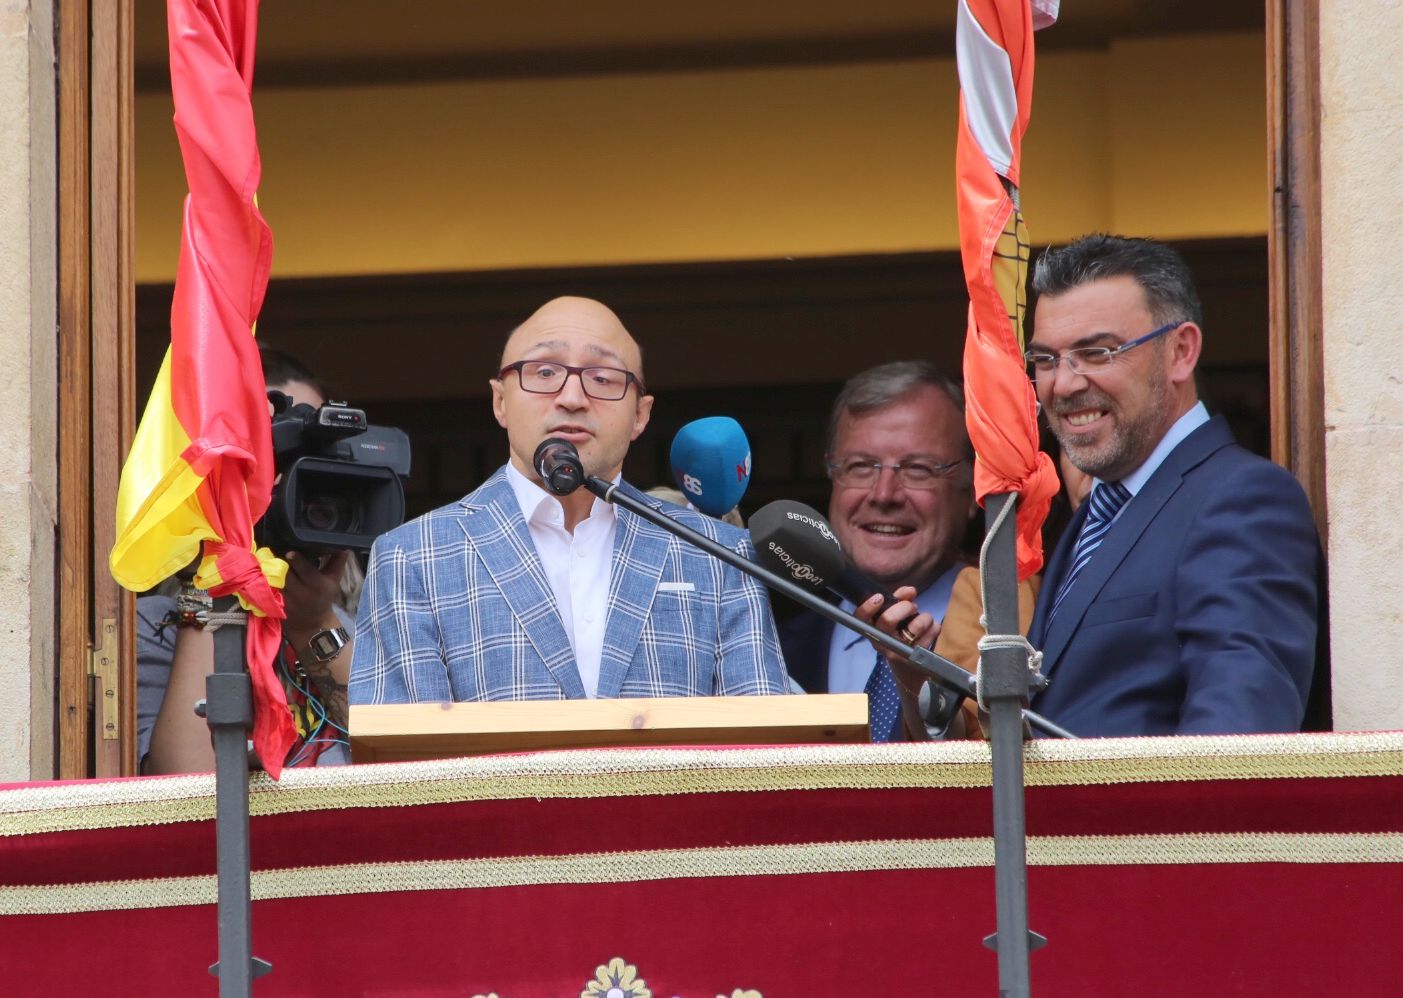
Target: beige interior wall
pixel 1361 46
pixel 1188 136
pixel 28 467
pixel 1157 137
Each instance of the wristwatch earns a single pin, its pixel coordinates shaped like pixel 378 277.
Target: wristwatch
pixel 326 645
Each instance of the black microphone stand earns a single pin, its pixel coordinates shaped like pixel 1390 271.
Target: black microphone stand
pixel 942 670
pixel 1007 686
pixel 228 710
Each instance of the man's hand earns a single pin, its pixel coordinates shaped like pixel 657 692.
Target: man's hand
pixel 921 631
pixel 313 585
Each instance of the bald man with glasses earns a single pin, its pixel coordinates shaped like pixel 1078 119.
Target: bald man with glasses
pixel 515 594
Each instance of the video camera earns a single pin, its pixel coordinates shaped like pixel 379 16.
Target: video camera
pixel 342 479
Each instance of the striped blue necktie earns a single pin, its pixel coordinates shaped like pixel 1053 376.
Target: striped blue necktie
pixel 1101 508
pixel 883 702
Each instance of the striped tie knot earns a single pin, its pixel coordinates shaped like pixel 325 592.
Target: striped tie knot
pixel 1104 503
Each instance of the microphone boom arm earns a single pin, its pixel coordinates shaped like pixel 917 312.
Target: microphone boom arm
pixel 942 670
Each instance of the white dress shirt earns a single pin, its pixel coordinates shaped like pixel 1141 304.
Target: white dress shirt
pixel 577 565
pixel 851 656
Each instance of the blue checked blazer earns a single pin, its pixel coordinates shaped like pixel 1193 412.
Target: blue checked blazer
pixel 457 607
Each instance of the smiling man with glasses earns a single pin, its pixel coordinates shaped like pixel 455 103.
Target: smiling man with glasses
pixel 1184 596
pixel 515 594
pixel 902 497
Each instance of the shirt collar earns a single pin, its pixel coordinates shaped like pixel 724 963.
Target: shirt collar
pixel 1183 426
pixel 539 506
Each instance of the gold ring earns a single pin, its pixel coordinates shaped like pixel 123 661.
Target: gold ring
pixel 906 636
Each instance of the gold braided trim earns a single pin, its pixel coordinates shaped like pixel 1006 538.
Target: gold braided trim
pixel 732 861
pixel 640 772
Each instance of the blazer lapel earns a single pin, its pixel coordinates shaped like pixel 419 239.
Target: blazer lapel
pixel 1139 512
pixel 640 551
pixel 806 638
pixel 1052 576
pixel 1122 536
pixel 499 535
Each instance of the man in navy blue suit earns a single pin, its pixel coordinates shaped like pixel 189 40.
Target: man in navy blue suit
pixel 1183 597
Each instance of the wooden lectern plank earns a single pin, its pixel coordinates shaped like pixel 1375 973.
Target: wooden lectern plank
pixel 399 732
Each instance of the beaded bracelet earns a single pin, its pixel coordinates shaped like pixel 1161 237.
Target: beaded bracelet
pixel 192 608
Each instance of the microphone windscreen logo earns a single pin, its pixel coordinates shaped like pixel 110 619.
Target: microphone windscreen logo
pixel 711 463
pixel 795 540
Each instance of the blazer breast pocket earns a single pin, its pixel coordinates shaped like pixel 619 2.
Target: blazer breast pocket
pixel 681 609
pixel 1118 608
pixel 670 603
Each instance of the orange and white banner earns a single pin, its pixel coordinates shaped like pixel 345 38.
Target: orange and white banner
pixel 994 47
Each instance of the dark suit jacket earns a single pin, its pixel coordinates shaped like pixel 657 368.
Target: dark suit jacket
pixel 804 639
pixel 1198 612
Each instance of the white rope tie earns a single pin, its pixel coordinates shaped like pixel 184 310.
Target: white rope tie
pixel 990 642
pixel 212 621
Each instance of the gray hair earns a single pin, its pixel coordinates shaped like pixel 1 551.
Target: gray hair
pixel 1159 270
pixel 881 386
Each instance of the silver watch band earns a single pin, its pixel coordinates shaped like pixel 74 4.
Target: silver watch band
pixel 326 645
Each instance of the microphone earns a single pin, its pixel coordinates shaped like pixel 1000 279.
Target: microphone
pixel 955 683
pixel 558 464
pixel 795 540
pixel 711 463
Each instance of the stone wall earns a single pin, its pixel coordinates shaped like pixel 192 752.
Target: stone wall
pixel 28 352
pixel 1361 45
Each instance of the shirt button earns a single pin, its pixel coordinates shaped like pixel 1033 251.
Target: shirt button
pixel 579 554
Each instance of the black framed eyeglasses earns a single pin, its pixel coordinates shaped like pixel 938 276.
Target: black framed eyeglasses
pixel 1086 360
pixel 546 377
pixel 858 473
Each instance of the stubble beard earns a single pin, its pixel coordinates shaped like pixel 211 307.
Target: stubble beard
pixel 1131 440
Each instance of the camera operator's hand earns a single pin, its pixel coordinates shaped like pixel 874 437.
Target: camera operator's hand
pixel 313 586
pixel 309 596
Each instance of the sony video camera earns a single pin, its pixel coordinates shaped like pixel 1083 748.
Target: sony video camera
pixel 342 479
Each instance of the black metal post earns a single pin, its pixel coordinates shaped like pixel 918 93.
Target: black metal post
pixel 229 713
pixel 1006 684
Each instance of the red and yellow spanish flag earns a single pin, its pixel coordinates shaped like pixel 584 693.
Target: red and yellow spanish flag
pixel 201 466
pixel 994 45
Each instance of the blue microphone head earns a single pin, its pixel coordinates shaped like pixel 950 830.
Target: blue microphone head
pixel 711 463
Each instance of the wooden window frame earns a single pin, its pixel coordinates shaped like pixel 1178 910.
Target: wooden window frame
pixel 95 683
pixel 1296 349
pixel 96 406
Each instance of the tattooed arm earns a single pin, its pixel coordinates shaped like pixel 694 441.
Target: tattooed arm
pixel 313 586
